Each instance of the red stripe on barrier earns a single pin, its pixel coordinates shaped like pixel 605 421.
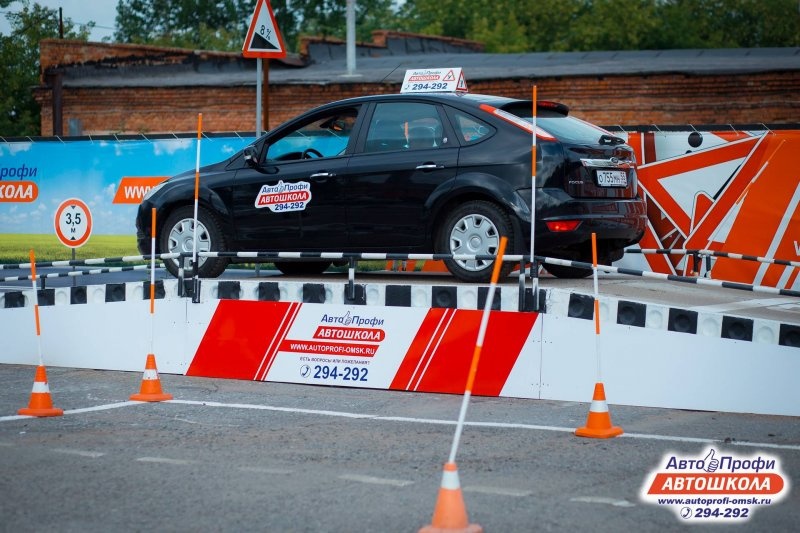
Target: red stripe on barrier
pixel 237 339
pixel 283 329
pixel 449 358
pixel 422 349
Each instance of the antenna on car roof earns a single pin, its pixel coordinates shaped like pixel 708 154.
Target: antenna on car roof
pixel 392 72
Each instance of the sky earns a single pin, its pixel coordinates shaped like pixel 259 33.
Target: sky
pixel 102 12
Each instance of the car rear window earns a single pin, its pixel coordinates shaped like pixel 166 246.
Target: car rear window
pixel 561 126
pixel 569 128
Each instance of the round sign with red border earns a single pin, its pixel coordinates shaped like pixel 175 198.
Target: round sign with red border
pixel 73 223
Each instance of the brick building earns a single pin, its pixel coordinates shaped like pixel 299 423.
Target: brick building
pixel 101 88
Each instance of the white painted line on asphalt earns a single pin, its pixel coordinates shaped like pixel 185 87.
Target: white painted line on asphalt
pixel 80 453
pixel 497 491
pixel 105 407
pixel 643 436
pixel 376 480
pixel 14 417
pixel 503 425
pixel 164 460
pixel 263 470
pixel 273 408
pixel 599 499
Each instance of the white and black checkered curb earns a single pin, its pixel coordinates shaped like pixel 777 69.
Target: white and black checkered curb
pixel 506 298
pixel 558 302
pixel 665 318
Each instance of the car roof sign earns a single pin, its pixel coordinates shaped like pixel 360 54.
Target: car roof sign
pixel 434 80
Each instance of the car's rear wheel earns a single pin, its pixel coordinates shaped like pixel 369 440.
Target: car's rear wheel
pixel 178 234
pixel 475 228
pixel 302 268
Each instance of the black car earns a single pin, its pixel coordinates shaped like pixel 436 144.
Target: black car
pixel 409 173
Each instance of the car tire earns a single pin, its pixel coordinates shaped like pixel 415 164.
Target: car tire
pixel 567 272
pixel 302 268
pixel 475 228
pixel 177 235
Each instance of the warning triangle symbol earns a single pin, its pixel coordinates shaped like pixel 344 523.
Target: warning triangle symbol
pixel 260 43
pixel 263 37
pixel 462 83
pixel 449 77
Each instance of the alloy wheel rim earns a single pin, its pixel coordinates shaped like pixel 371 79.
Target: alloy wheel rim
pixel 181 240
pixel 474 234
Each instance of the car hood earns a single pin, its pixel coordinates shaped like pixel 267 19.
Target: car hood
pixel 207 170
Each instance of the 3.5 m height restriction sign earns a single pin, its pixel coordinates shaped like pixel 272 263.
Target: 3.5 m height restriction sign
pixel 73 223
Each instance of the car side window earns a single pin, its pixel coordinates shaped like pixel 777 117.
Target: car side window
pixel 471 129
pixel 323 137
pixel 404 126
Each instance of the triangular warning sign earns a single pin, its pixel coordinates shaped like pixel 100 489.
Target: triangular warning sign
pixel 263 38
pixel 462 83
pixel 449 77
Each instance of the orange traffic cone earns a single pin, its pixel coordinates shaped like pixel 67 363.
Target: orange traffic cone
pixel 151 385
pixel 598 425
pixel 450 514
pixel 41 403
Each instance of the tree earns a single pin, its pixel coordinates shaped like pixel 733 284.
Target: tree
pixel 576 25
pixel 327 18
pixel 729 24
pixel 222 24
pixel 199 24
pixel 19 64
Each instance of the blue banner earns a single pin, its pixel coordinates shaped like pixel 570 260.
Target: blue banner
pixel 110 176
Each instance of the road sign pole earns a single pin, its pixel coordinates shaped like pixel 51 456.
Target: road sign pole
pixel 259 66
pixel 263 41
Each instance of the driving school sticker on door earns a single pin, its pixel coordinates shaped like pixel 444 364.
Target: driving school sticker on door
pixel 284 197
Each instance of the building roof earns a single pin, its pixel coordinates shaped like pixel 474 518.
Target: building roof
pixel 483 66
pixel 325 63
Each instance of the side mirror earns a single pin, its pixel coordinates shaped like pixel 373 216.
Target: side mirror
pixel 251 156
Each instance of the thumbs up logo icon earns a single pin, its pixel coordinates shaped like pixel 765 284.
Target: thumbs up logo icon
pixel 711 462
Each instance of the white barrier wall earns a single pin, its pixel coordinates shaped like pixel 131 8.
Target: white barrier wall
pixel 423 348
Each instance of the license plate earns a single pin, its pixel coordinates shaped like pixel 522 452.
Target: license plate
pixel 612 178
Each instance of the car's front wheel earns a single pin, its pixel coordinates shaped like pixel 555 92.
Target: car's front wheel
pixel 178 236
pixel 475 228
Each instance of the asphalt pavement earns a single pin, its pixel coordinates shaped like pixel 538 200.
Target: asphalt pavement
pixel 227 455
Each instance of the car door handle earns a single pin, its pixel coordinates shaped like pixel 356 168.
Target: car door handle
pixel 429 166
pixel 323 175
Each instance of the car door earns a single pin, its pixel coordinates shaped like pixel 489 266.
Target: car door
pixel 407 157
pixel 294 197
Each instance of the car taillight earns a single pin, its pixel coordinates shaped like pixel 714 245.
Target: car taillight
pixel 521 123
pixel 562 225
